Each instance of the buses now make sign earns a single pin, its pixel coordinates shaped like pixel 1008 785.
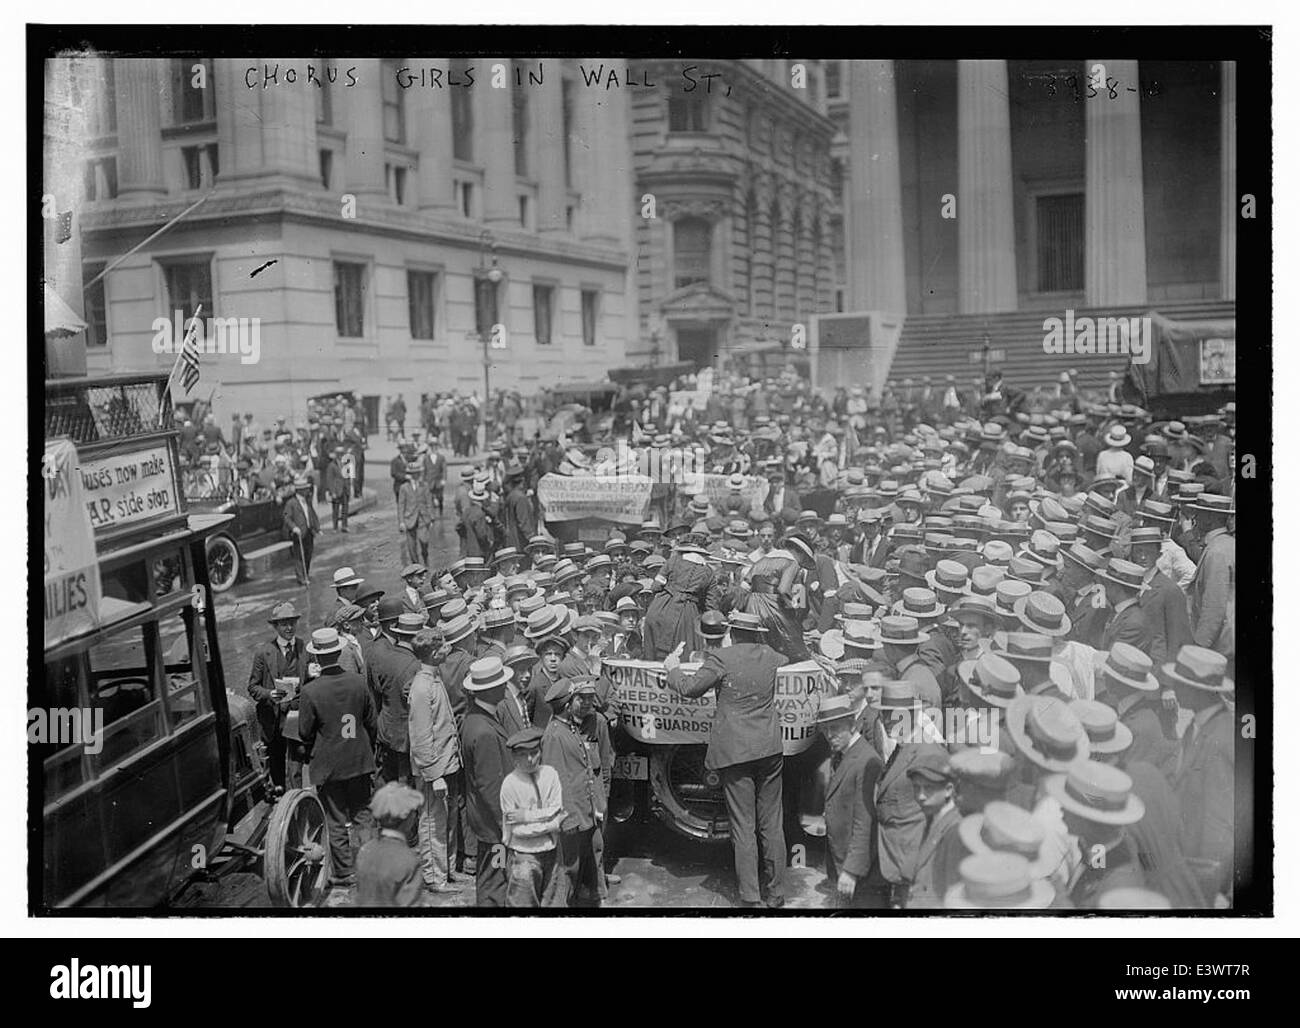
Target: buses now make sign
pixel 128 488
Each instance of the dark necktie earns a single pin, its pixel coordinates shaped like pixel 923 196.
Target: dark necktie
pixel 836 760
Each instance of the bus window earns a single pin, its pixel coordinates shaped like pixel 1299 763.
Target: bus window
pixel 129 582
pixel 123 683
pixel 186 697
pixel 169 573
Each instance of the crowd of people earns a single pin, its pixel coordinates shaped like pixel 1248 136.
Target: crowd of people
pixel 1026 604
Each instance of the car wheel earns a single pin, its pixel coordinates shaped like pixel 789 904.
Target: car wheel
pixel 223 563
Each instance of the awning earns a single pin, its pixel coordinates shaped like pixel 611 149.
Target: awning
pixel 60 320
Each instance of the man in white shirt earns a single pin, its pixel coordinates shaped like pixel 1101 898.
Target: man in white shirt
pixel 532 809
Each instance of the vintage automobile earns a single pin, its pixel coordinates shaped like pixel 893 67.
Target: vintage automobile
pixel 253 526
pixel 169 785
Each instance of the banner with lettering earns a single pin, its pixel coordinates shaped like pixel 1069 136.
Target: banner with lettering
pixel 752 493
pixel 621 498
pixel 72 587
pixel 653 713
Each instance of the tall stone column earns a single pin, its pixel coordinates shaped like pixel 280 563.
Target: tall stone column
pixel 1228 177
pixel 1115 251
pixel 547 111
pixel 986 240
pixel 288 128
pixel 239 119
pixel 875 212
pixel 365 126
pixel 494 147
pixel 429 117
pixel 602 158
pixel 139 128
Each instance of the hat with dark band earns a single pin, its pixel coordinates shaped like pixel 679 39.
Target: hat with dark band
pixel 1003 827
pixel 324 641
pixel 1199 668
pixel 743 622
pixel 1043 613
pixel 1106 733
pixel 712 624
pixel 1096 792
pixel 1123 573
pixel 487 673
pixel 998 881
pixel 990 679
pixel 1046 731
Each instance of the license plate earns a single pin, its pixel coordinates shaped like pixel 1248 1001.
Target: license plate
pixel 632 766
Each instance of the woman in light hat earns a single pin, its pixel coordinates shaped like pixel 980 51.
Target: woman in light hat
pixel 688 589
pixel 1115 459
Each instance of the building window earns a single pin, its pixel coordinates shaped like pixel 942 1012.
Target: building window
pixel 101 179
pixel 519 111
pixel 422 291
pixel 686 114
pixel 834 81
pixel 590 315
pixel 349 299
pixel 543 313
pixel 566 121
pixel 395 183
pixel 200 165
pixel 568 218
pixel 324 101
pixel 485 306
pixel 326 167
pixel 192 103
pixel 692 250
pixel 95 305
pixel 523 211
pixel 465 192
pixel 1060 242
pixel 189 284
pixel 462 115
pixel 394 109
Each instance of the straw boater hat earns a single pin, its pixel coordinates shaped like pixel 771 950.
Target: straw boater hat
pixel 742 622
pixel 948 580
pixel 990 679
pixel 974 607
pixel 325 640
pixel 1023 569
pixel 835 709
pixel 1106 733
pixel 1123 573
pixel 1211 503
pixel 486 673
pixel 1007 592
pixel 896 695
pixel 920 604
pixel 1128 666
pixel 1199 668
pixel 1003 827
pixel 1117 437
pixel 1044 548
pixel 984 580
pixel 998 881
pixel 409 624
pixel 902 630
pixel 519 655
pixel 1096 792
pixel 1043 613
pixel 1046 731
pixel 458 627
pixel 860 638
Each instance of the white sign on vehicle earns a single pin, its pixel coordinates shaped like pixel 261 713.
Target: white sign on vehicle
pixel 128 488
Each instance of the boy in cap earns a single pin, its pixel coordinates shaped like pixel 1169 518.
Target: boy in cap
pixel 932 785
pixel 566 748
pixel 388 871
pixel 532 810
pixel 850 806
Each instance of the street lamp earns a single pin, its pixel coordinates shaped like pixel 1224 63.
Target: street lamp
pixel 487 247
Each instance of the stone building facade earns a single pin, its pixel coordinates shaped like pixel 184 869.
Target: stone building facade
pixel 409 206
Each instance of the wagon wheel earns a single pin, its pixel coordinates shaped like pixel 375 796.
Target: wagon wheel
pixel 690 797
pixel 297 862
pixel 223 563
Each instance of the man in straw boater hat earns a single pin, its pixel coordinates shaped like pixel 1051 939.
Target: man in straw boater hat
pixel 567 747
pixel 486 760
pixel 998 880
pixel 346 581
pixel 532 811
pixel 1213 591
pixel 1204 780
pixel 279 668
pixel 337 722
pixel 546 631
pixel 1098 803
pixel 1173 560
pixel 1125 682
pixel 901 635
pixel 1163 604
pixel 1002 827
pixel 850 801
pixel 435 758
pixel 745 749
pixel 1123 583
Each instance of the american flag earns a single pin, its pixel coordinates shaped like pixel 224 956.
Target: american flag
pixel 190 356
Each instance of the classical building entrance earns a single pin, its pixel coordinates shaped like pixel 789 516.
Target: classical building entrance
pixel 699 345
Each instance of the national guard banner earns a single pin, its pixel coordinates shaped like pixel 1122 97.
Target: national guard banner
pixel 652 713
pixel 622 498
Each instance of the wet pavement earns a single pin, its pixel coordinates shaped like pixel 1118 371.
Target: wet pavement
pixel 658 869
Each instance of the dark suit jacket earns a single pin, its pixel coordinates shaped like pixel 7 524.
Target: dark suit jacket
pixel 389 874
pixel 486 761
pixel 1164 606
pixel 851 810
pixel 510 717
pixel 389 673
pixel 1204 785
pixel 900 822
pixel 301 516
pixel 1150 744
pixel 1087 623
pixel 1129 626
pixel 453 670
pixel 269 663
pixel 336 721
pixel 928 878
pixel 745 726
